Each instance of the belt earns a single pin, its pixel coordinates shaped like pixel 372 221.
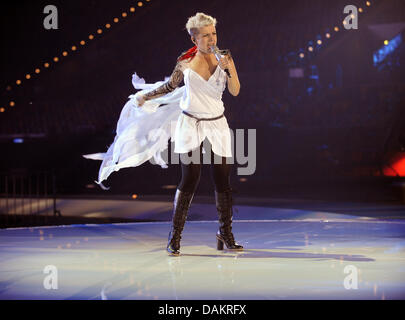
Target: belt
pixel 201 119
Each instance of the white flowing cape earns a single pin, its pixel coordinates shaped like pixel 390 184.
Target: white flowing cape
pixel 142 132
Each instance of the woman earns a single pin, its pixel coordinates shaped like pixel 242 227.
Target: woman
pixel 201 116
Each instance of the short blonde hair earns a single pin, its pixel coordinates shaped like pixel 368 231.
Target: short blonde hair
pixel 198 21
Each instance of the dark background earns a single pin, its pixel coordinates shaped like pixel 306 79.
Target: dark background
pixel 331 135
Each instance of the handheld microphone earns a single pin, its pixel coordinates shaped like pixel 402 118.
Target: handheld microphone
pixel 218 55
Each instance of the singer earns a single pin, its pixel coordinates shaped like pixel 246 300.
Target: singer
pixel 206 72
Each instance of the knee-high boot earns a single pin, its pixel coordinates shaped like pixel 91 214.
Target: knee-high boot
pixel 181 204
pixel 224 202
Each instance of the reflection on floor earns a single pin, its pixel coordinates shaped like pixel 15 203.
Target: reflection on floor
pixel 309 256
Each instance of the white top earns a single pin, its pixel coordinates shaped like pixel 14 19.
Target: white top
pixel 143 132
pixel 203 99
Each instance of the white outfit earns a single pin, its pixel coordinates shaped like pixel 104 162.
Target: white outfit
pixel 143 132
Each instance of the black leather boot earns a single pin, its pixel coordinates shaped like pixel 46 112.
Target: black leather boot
pixel 224 202
pixel 181 204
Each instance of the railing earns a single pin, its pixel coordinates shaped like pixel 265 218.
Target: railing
pixel 26 196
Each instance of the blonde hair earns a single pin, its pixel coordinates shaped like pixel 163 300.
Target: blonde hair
pixel 198 21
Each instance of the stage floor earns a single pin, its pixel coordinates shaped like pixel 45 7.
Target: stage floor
pixel 333 257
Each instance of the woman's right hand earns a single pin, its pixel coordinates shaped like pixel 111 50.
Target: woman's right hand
pixel 140 99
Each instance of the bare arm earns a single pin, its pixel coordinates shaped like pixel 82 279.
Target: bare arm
pixel 175 79
pixel 233 82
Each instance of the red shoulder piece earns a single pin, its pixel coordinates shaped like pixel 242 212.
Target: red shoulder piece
pixel 190 53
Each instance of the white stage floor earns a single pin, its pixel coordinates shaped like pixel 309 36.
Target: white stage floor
pixel 283 259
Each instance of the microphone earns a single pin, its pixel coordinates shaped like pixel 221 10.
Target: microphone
pixel 218 55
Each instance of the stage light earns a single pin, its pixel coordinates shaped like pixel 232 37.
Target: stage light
pixel 319 42
pixel 302 55
pixel 310 49
pixel 396 166
pixel 360 9
pixel 368 3
pixel 74 48
pixel 134 196
pixel 336 29
pixel 169 186
pixel 386 42
pixel 327 35
pixel 12 103
pixel 2 109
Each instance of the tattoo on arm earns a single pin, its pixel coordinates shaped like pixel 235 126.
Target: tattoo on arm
pixel 175 79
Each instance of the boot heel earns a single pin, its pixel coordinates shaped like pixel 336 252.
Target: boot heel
pixel 220 245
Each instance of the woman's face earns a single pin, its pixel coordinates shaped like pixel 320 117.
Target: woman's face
pixel 206 37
